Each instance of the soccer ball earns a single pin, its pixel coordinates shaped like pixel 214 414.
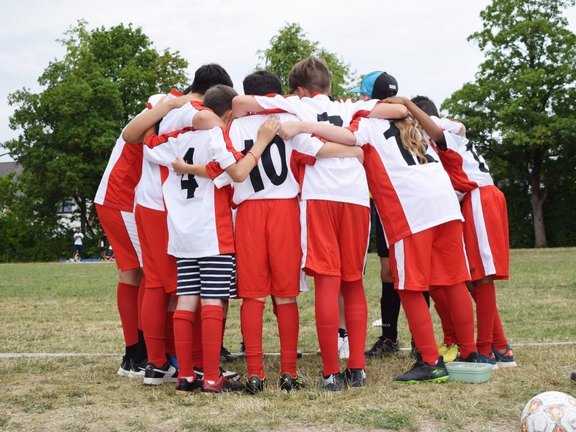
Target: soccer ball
pixel 551 411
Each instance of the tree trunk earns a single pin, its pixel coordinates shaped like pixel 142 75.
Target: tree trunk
pixel 537 198
pixel 537 201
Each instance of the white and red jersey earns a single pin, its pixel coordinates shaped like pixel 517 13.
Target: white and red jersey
pixel 149 189
pixel 275 176
pixel 121 176
pixel 329 179
pixel 467 169
pixel 410 196
pixel 199 214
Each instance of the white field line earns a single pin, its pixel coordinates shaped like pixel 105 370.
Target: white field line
pixel 69 354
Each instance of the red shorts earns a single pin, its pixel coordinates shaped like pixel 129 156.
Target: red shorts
pixel 335 235
pixel 120 228
pixel 486 233
pixel 268 251
pixel 159 267
pixel 431 257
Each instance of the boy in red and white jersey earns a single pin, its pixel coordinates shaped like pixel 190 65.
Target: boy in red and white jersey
pixel 176 112
pixel 485 231
pixel 201 234
pixel 332 190
pixel 422 221
pixel 114 202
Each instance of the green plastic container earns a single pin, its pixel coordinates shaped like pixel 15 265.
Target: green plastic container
pixel 469 372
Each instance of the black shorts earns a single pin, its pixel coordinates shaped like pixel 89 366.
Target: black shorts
pixel 381 246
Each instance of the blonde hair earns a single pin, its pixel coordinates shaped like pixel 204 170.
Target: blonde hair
pixel 412 137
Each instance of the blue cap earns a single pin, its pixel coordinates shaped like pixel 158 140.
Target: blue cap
pixel 378 85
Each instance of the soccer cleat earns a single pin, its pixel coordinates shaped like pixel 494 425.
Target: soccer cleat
pixel 226 356
pixel 185 387
pixel 355 378
pixel 573 376
pixel 506 359
pixel 228 374
pixel 343 347
pixel 488 359
pixel 423 372
pixel 473 357
pixel 289 383
pixel 255 384
pixel 383 347
pixel 221 385
pixel 154 375
pixel 125 366
pixel 448 351
pixel 333 383
pixel 129 368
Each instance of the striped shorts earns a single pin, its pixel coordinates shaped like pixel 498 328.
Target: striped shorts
pixel 208 277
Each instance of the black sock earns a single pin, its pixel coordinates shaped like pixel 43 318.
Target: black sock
pixel 389 310
pixel 140 354
pixel 130 351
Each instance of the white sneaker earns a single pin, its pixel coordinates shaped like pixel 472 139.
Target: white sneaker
pixel 343 347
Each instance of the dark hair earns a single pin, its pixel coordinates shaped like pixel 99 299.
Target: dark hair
pixel 219 98
pixel 207 76
pixel 312 74
pixel 261 83
pixel 426 105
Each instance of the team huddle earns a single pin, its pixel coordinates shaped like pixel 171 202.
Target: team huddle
pixel 210 195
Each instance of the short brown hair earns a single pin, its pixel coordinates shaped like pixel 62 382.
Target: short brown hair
pixel 219 98
pixel 312 74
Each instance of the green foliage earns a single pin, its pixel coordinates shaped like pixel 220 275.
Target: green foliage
pixel 69 128
pixel 290 46
pixel 520 110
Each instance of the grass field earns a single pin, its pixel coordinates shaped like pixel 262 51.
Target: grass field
pixel 70 308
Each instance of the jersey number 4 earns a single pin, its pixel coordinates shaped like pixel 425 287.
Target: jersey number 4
pixel 269 169
pixel 188 181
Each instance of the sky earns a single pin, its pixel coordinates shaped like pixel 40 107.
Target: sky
pixel 421 43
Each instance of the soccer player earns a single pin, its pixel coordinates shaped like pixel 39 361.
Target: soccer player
pixel 485 230
pixel 114 203
pixel 335 214
pixel 176 112
pixel 422 221
pixel 201 235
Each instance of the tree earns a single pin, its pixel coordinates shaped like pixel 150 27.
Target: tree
pixel 290 46
pixel 520 109
pixel 69 128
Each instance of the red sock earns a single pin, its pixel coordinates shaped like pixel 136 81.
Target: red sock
pixel 356 313
pixel 197 354
pixel 141 292
pixel 326 293
pixel 223 326
pixel 183 337
pixel 127 300
pixel 443 309
pixel 212 317
pixel 169 333
pixel 251 314
pixel 485 298
pixel 462 314
pixel 288 327
pixel 154 323
pixel 499 338
pixel 420 324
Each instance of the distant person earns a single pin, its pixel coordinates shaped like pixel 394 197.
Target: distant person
pixel 78 244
